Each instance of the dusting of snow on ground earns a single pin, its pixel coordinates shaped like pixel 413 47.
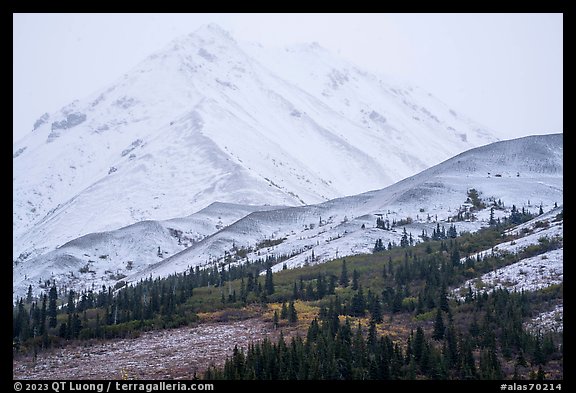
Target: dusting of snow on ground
pixel 514 246
pixel 529 274
pixel 163 354
pixel 547 321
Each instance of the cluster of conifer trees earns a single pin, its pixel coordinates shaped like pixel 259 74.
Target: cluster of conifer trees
pixel 480 336
pixel 335 349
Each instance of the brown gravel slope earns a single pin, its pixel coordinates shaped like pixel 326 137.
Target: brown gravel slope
pixel 165 354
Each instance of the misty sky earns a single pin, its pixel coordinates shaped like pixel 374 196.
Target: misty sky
pixel 503 70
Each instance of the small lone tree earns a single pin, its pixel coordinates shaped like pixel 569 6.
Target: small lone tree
pixel 275 320
pixel 292 314
pixel 284 311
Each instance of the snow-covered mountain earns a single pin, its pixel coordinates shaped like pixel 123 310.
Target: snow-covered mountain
pixel 526 172
pixel 209 119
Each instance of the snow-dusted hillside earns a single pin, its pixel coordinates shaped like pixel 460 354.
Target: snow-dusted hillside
pixel 210 119
pixel 104 258
pixel 526 172
pixel 530 273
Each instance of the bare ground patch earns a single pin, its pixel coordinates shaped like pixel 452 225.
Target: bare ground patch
pixel 164 354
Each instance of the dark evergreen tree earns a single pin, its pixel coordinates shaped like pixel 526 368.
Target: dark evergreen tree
pixel 358 306
pixel 443 301
pixel 29 295
pixel 52 306
pixel 355 277
pixel 492 221
pixel 379 246
pixel 438 333
pixel 320 286
pixel 43 313
pixel 452 232
pixel 343 275
pixel 331 285
pixel 404 239
pixel 418 344
pixel 292 314
pixel 275 320
pixel 269 282
pixel 540 376
pixel 71 305
pixel 63 332
pixel 250 285
pixel 375 310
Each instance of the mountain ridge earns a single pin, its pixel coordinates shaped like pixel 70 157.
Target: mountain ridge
pixel 531 168
pixel 206 119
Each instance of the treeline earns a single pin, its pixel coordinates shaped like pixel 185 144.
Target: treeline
pixel 149 304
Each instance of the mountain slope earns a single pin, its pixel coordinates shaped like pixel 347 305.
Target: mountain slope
pixel 209 119
pixel 104 258
pixel 526 172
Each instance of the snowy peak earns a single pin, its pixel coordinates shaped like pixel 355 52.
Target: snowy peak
pixel 209 119
pixel 211 33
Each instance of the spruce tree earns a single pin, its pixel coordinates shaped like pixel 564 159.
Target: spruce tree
pixel 29 295
pixel 540 376
pixel 375 310
pixel 52 307
pixel 438 333
pixel 358 306
pixel 404 240
pixel 355 277
pixel 294 292
pixel 343 275
pixel 331 284
pixel 444 305
pixel 320 286
pixel 292 314
pixel 275 320
pixel 71 305
pixel 43 314
pixel 269 283
pixel 418 344
pixel 63 330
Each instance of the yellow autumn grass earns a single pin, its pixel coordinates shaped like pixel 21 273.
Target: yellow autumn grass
pixel 396 329
pixel 306 312
pixel 249 311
